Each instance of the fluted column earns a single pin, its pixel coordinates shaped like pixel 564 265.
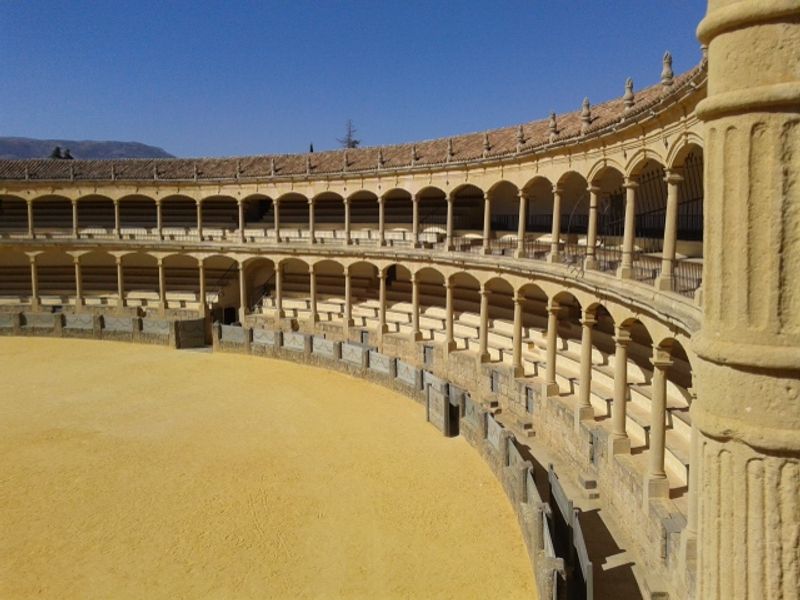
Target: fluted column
pixel 279 314
pixel 31 230
pixel 450 340
pixel 415 330
pixel 240 210
pixel 199 220
pixel 551 384
pixel 487 222
pixel 665 280
pixel 120 283
pixel 79 300
pixel 347 238
pixel 748 347
pixel 584 410
pixel 159 221
pixel 591 232
pixel 34 282
pixel 381 221
pixel 276 218
pixel 75 233
pixel 312 279
pixel 555 233
pixel 311 239
pixel 625 270
pixel 619 442
pixel 201 287
pixel 162 287
pixel 521 225
pixel 656 483
pixel 117 220
pixel 348 303
pixel 449 239
pixel 243 299
pixel 415 220
pixel 516 342
pixel 483 332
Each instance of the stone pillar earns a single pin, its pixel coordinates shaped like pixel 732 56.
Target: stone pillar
pixel 381 221
pixel 75 233
pixel 483 333
pixel 348 303
pixel 449 239
pixel 347 239
pixel 276 216
pixel 555 233
pixel 487 222
pixel 311 239
pixel 665 280
pixel 590 262
pixel 159 221
pixel 619 442
pixel 201 289
pixel 117 221
pixel 240 209
pixel 521 225
pixel 415 330
pixel 162 287
pixel 551 385
pixel 279 314
pixel 415 220
pixel 382 327
pixel 120 283
pixel 584 410
pixel 625 270
pixel 312 278
pixel 199 220
pixel 450 340
pixel 242 294
pixel 748 348
pixel 516 342
pixel 78 283
pixel 31 230
pixel 34 282
pixel 656 483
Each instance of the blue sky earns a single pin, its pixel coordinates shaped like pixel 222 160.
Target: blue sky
pixel 232 78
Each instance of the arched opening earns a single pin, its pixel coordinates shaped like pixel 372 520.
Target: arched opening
pixel 330 290
pixel 539 217
pixel 432 215
pixel 260 285
pixel 13 215
pixel 468 217
pixel 95 216
pixel 178 216
pixel 432 303
pixel 56 275
pixel 138 216
pixel 222 288
pixel 99 278
pixel 610 218
pixel 574 220
pixel 501 318
pixel 466 310
pixel 398 211
pixel 651 208
pixel 328 217
pixel 140 280
pixel 296 287
pixel 181 282
pixel 363 217
pixel 220 216
pixel 688 268
pixel 52 216
pixel 15 277
pixel 293 210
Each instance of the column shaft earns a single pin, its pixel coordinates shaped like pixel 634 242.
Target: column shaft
pixel 347 239
pixel 78 283
pixel 117 220
pixel 619 440
pixel 658 414
pixel 487 221
pixel 348 302
pixel 521 225
pixel 162 287
pixel 159 221
pixel 551 385
pixel 449 240
pixel 312 275
pixel 199 220
pixel 240 208
pixel 34 283
pixel 665 279
pixel 415 331
pixel 75 219
pixel 242 295
pixel 483 333
pixel 381 222
pixel 626 269
pixel 450 340
pixel 382 328
pixel 120 283
pixel 584 409
pixel 516 352
pixel 555 232
pixel 276 217
pixel 415 220
pixel 31 232
pixel 279 291
pixel 591 232
pixel 201 290
pixel 311 239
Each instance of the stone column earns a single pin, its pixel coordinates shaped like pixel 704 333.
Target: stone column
pixel 449 240
pixel 242 295
pixel 487 221
pixel 665 280
pixel 347 239
pixel 117 220
pixel 78 283
pixel 590 262
pixel 450 340
pixel 201 289
pixel 276 216
pixel 415 330
pixel 415 220
pixel 279 314
pixel 312 278
pixel 31 230
pixel 34 282
pixel 748 372
pixel 516 342
pixel 555 233
pixel 551 385
pixel 162 287
pixel 75 233
pixel 311 239
pixel 656 483
pixel 240 208
pixel 625 270
pixel 120 283
pixel 381 221
pixel 159 221
pixel 483 333
pixel 199 220
pixel 584 410
pixel 348 303
pixel 521 225
pixel 619 442
pixel 382 327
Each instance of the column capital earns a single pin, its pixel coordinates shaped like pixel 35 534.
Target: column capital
pixel 118 259
pixel 630 184
pixel 448 285
pixel 518 297
pixel 594 189
pixel 381 199
pixel 557 189
pixel 346 201
pixel 415 197
pixel 553 308
pixel 662 358
pixel 588 321
pixel 622 336
pixel 310 201
pixel 487 197
pixel 674 175
pixel 522 195
pixel 73 201
pixel 413 277
pixel 199 201
pixel 484 291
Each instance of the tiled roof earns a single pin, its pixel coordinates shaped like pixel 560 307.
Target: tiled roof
pixel 465 148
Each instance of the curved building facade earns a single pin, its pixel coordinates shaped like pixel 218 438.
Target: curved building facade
pixel 612 292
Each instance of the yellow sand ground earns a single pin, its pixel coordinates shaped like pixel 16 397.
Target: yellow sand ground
pixel 140 472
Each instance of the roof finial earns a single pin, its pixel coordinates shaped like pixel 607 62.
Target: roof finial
pixel 238 168
pixel 155 172
pixel 666 72
pixel 486 145
pixel 194 171
pixel 520 138
pixel 272 166
pixel 628 98
pixel 113 173
pixel 381 160
pixel 552 127
pixel 449 149
pixel 345 162
pixel 704 55
pixel 586 115
pixel 414 155
pixel 308 164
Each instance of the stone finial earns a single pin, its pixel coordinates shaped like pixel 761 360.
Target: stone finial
pixel 272 167
pixel 71 173
pixel 666 72
pixel 155 172
pixel 308 165
pixel 486 145
pixel 520 138
pixel 586 115
pixel 345 161
pixel 238 168
pixel 552 127
pixel 194 170
pixel 113 173
pixel 704 55
pixel 449 149
pixel 414 155
pixel 381 160
pixel 628 98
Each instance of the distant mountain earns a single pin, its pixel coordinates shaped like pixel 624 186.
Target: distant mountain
pixel 18 147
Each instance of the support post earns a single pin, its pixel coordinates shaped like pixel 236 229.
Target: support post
pixel 415 330
pixel 78 284
pixel 279 314
pixel 159 221
pixel 656 484
pixel 240 209
pixel 311 238
pixel 522 224
pixel 487 222
pixel 75 233
pixel 590 263
pixel 31 230
pixel 619 442
pixel 34 282
pixel 625 270
pixel 312 277
pixel 516 352
pixel 483 333
pixel 276 217
pixel 348 240
pixel 120 283
pixel 201 289
pixel 450 340
pixel 666 279
pixel 415 200
pixel 162 287
pixel 199 220
pixel 584 410
pixel 348 303
pixel 555 233
pixel 381 221
pixel 382 327
pixel 242 295
pixel 449 239
pixel 551 385
pixel 117 220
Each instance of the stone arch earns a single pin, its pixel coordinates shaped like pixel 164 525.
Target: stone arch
pixel 599 167
pixel 432 212
pixel 574 204
pixel 51 213
pixel 468 207
pixel 56 274
pixel 178 212
pixel 137 212
pixel 15 274
pixel 534 305
pixel 504 197
pixel 13 214
pixel 95 214
pixel 683 145
pixel 638 160
pixel 539 194
pixel 398 214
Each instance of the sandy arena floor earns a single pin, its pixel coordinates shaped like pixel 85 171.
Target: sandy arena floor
pixel 140 472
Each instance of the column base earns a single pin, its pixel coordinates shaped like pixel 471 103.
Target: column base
pixel 449 247
pixel 279 314
pixel 655 487
pixel 449 346
pixel 583 413
pixel 485 251
pixel 416 245
pixel 518 371
pixel 349 323
pixel 485 357
pixel 554 257
pixel 519 253
pixel 550 389
pixel 619 445
pixel 625 272
pixel 348 242
pixel 665 284
pixel 416 336
pixel 590 263
pixel 382 243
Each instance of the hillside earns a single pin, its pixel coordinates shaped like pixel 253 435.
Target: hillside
pixel 19 147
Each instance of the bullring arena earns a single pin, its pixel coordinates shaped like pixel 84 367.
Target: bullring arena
pixel 602 304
